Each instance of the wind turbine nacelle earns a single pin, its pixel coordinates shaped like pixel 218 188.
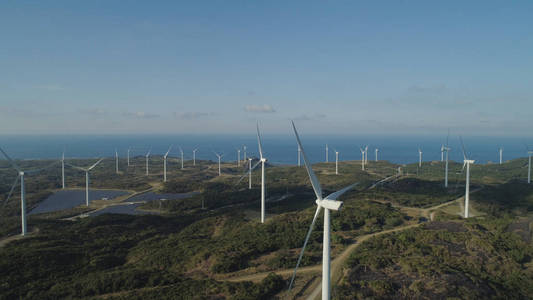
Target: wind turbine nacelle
pixel 330 204
pixel 469 161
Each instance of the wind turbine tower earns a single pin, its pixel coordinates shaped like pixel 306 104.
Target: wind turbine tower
pixel 466 162
pixel 336 162
pixel 219 158
pixel 194 156
pixel 501 155
pixel 327 156
pixel 63 170
pixel 419 158
pixel 87 170
pixel 147 158
pixel 181 152
pixel 362 158
pixel 238 157
pixel 116 161
pixel 377 154
pixel 165 164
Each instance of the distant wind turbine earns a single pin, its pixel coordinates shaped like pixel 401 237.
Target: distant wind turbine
pixel 366 154
pixel 362 158
pixel 165 164
pixel 329 203
pixel 501 155
pixel 377 154
pixel 442 153
pixel 116 161
pixel 129 156
pixel 63 170
pixel 21 174
pixel 447 149
pixel 261 161
pixel 466 162
pixel 86 170
pixel 299 154
pixel 219 158
pixel 419 158
pixel 336 162
pixel 244 157
pixel 238 157
pixel 147 158
pixel 181 152
pixel 327 156
pixel 250 173
pixel 194 156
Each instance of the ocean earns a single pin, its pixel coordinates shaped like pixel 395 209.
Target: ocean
pixel 279 149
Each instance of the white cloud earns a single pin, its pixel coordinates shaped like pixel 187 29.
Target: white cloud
pixel 259 108
pixel 141 115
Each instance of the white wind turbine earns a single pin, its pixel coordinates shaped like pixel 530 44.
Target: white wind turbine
pixel 377 150
pixel 116 161
pixel 194 156
pixel 261 161
pixel 329 203
pixel 419 157
pixel 219 158
pixel 129 156
pixel 147 158
pixel 501 154
pixel 165 164
pixel 63 170
pixel 299 154
pixel 181 152
pixel 327 156
pixel 442 153
pixel 362 158
pixel 447 149
pixel 21 174
pixel 366 154
pixel 466 162
pixel 244 157
pixel 249 173
pixel 336 162
pixel 86 170
pixel 238 157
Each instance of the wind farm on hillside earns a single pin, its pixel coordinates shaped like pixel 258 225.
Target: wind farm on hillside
pixel 266 150
pixel 196 225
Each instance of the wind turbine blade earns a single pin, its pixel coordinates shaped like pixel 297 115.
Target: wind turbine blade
pixel 11 161
pixel 248 172
pixel 95 164
pixel 259 142
pixel 11 191
pixel 463 147
pixel 166 154
pixel 32 171
pixel 76 167
pixel 314 181
pixel 337 194
pixel 305 244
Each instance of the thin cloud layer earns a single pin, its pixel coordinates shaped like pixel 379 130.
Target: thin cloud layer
pixel 141 115
pixel 259 108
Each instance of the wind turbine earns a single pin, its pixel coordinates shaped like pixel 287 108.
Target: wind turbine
pixel 329 203
pixel 63 170
pixel 261 161
pixel 501 154
pixel 447 149
pixel 466 162
pixel 366 154
pixel 362 158
pixel 327 156
pixel 377 154
pixel 442 153
pixel 336 162
pixel 299 154
pixel 21 174
pixel 238 157
pixel 129 156
pixel 116 161
pixel 244 158
pixel 165 164
pixel 181 152
pixel 86 170
pixel 194 156
pixel 219 158
pixel 147 157
pixel 419 158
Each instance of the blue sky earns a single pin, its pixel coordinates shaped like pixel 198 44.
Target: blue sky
pixel 383 67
